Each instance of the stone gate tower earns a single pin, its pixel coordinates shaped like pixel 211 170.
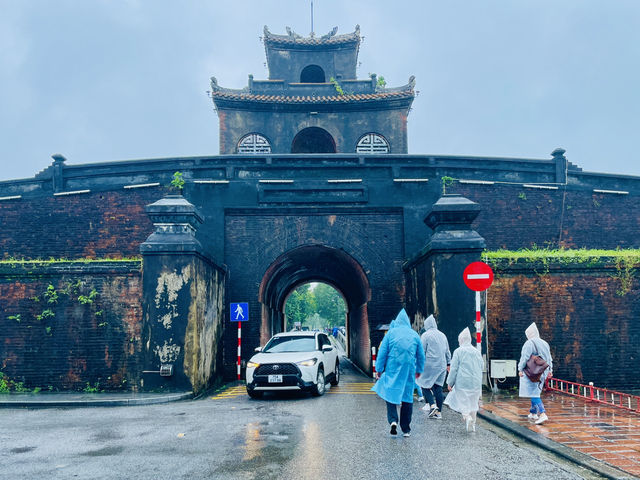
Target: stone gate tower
pixel 313 102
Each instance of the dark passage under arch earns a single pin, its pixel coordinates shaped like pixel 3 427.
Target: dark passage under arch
pixel 313 140
pixel 312 74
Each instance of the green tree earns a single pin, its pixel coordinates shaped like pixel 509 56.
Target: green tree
pixel 300 305
pixel 330 304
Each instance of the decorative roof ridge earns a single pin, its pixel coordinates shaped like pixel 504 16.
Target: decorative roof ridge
pixel 224 94
pixel 293 38
pixel 404 88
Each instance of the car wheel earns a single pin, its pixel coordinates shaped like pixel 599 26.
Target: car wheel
pixel 254 394
pixel 319 387
pixel 336 376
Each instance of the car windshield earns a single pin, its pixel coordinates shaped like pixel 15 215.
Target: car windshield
pixel 290 344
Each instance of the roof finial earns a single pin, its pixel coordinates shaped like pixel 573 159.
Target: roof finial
pixel 312 18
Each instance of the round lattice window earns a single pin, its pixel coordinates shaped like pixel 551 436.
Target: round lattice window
pixel 254 143
pixel 372 143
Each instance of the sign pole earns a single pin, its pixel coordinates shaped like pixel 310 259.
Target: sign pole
pixel 478 323
pixel 239 342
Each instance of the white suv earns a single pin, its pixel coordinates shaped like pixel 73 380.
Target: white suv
pixel 293 361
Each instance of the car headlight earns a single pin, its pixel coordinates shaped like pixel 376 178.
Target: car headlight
pixel 252 365
pixel 308 363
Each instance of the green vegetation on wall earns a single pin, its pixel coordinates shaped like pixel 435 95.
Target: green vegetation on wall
pixel 625 262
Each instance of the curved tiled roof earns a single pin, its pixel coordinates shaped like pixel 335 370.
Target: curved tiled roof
pixel 284 99
pixel 293 39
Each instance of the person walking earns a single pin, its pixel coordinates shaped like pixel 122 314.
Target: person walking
pixel 528 389
pixel 436 364
pixel 465 380
pixel 399 362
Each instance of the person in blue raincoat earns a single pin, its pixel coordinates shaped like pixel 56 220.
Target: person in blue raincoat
pixel 437 358
pixel 400 360
pixel 529 389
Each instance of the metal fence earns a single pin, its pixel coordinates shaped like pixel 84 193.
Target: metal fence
pixel 605 396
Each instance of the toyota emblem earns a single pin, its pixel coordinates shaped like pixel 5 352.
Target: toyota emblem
pixel 276 367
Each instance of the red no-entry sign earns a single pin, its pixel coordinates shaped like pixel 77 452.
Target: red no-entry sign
pixel 478 276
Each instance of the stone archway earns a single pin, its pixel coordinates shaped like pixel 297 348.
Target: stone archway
pixel 323 264
pixel 313 140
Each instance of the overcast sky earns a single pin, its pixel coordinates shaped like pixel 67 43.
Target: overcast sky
pixel 102 80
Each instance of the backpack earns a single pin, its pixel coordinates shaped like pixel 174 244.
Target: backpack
pixel 536 365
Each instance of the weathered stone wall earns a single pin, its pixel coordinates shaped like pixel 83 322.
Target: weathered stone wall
pixel 67 325
pixel 183 311
pixel 589 319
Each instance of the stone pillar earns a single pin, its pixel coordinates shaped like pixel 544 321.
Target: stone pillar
pixel 562 165
pixel 183 292
pixel 434 276
pixel 57 176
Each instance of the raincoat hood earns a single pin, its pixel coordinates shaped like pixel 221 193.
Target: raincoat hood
pixel 430 322
pixel 532 331
pixel 402 320
pixel 464 337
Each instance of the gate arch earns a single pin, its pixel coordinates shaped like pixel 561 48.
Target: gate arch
pixel 323 264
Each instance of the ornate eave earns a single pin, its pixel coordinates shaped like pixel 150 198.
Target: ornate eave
pixel 295 41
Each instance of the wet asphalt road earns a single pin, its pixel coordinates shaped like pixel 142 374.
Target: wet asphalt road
pixel 337 436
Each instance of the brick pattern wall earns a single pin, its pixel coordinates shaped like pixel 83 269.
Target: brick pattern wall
pixel 68 337
pixel 93 225
pixel 254 241
pixel 515 217
pixel 592 329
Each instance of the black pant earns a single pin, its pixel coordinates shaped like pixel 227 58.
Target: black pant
pixel 437 391
pixel 406 410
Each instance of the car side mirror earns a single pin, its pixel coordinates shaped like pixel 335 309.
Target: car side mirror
pixel 257 349
pixel 327 348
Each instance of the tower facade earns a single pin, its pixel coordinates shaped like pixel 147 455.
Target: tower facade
pixel 313 102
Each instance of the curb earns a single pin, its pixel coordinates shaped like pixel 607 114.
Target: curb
pixel 568 453
pixel 117 402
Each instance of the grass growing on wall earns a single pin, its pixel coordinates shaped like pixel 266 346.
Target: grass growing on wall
pixel 53 261
pixel 625 261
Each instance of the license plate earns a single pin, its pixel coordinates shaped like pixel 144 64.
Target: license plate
pixel 275 378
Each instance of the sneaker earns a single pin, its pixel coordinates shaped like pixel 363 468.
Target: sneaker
pixel 543 418
pixel 532 416
pixel 394 429
pixel 406 434
pixel 426 408
pixel 434 412
pixel 421 399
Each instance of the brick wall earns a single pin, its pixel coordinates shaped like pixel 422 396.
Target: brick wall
pixel 85 328
pixel 591 326
pixel 93 225
pixel 515 217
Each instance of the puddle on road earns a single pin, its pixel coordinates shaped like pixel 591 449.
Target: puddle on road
pixel 22 449
pixel 104 452
pixel 264 446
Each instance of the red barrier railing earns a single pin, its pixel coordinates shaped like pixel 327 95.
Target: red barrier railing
pixel 595 394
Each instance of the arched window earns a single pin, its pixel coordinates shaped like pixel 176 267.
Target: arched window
pixel 372 143
pixel 312 74
pixel 254 143
pixel 313 140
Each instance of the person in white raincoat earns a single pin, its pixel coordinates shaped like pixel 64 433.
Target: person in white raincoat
pixel 400 360
pixel 465 380
pixel 534 345
pixel 436 362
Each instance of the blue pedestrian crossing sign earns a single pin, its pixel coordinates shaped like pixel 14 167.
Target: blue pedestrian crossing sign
pixel 239 312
